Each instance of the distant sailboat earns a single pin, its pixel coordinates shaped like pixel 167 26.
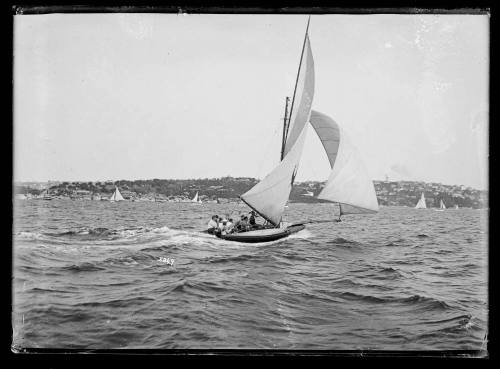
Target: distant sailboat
pixel 441 206
pixel 456 207
pixel 196 199
pixel 46 195
pixel 117 196
pixel 421 203
pixel 347 185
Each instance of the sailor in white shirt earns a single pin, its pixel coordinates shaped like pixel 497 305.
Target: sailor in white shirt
pixel 212 224
pixel 222 226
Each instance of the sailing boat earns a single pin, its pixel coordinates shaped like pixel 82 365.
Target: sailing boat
pixel 46 196
pixel 421 203
pixel 196 199
pixel 117 196
pixel 441 206
pixel 456 207
pixel 348 183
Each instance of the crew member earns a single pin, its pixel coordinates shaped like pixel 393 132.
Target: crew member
pixel 229 226
pixel 223 226
pixel 212 224
pixel 242 224
pixel 251 221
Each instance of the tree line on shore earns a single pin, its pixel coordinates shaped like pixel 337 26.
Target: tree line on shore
pixel 402 193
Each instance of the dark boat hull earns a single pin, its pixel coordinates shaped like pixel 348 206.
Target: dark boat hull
pixel 265 235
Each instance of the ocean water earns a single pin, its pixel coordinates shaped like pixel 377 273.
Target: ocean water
pixel 100 275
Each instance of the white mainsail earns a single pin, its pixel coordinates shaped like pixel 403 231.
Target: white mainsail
pixel 269 196
pixel 195 198
pixel 117 196
pixel 441 205
pixel 301 105
pixel 421 203
pixel 348 184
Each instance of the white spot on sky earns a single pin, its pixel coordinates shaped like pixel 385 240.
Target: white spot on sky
pixel 388 45
pixel 448 27
pixel 136 26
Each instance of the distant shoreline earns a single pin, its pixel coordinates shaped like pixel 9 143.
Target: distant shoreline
pixel 236 201
pixel 45 184
pixel 228 189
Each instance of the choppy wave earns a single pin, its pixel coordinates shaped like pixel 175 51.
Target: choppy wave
pixel 428 303
pixel 84 267
pixel 464 321
pixel 97 233
pixel 343 241
pixel 398 242
pixel 118 303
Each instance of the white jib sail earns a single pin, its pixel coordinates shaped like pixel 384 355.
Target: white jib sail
pixel 195 198
pixel 117 196
pixel 349 183
pixel 301 108
pixel 269 196
pixel 421 203
pixel 442 205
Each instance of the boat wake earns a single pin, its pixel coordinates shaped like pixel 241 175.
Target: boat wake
pixel 303 234
pixel 150 236
pixel 84 234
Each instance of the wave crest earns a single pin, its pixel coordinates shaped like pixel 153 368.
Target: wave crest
pixel 427 303
pixel 84 267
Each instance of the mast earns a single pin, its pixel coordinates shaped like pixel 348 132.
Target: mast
pixel 298 73
pixel 268 197
pixel 285 118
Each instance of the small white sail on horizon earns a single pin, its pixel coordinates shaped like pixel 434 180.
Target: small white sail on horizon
pixel 421 203
pixel 117 196
pixel 348 184
pixel 441 205
pixel 196 198
pixel 456 207
pixel 270 196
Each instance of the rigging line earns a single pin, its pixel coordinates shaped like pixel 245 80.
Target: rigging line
pixel 286 120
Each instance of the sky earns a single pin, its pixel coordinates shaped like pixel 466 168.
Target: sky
pixel 142 96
